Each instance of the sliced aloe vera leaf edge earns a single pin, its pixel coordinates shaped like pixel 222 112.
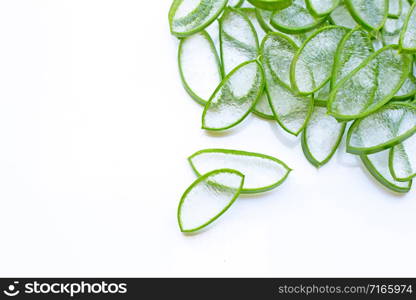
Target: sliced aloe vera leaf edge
pixel 250 154
pixel 396 156
pixel 381 179
pixel 187 87
pixel 382 146
pixel 408 34
pixel 196 183
pixel 406 71
pixel 356 15
pixel 392 13
pixel 173 9
pixel 271 4
pixel 221 85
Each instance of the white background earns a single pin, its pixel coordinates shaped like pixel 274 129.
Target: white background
pixel 95 129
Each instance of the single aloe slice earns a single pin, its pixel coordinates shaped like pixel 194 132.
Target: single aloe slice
pixel 290 110
pixel 341 16
pixel 321 137
pixel 238 39
pixel 271 4
pixel 402 160
pixel 234 98
pixel 187 17
pixel 408 89
pixel 383 129
pixel 322 7
pixel 295 19
pixel 312 65
pixel 371 14
pixel 199 66
pixel 408 35
pixel 210 196
pixel 371 85
pixel 395 8
pixel 378 166
pixel 354 48
pixel 261 172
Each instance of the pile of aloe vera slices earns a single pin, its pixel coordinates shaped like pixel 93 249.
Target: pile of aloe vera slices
pixel 321 69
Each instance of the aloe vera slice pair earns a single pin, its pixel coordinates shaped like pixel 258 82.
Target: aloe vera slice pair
pixel 187 17
pixel 383 129
pixel 370 85
pixel 227 174
pixel 408 35
pixel 234 98
pixel 295 19
pixel 321 137
pixel 199 66
pixel 322 8
pixel 312 66
pixel 262 172
pixel 290 110
pixel 371 14
pixel 378 166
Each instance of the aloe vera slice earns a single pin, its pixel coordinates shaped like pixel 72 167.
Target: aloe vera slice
pixel 371 14
pixel 354 48
pixel 210 196
pixel 295 19
pixel 408 89
pixel 395 8
pixel 261 172
pixel 408 35
pixel 199 66
pixel 371 85
pixel 341 16
pixel 402 160
pixel 322 7
pixel 187 17
pixel 238 39
pixel 271 4
pixel 290 110
pixel 383 129
pixel 321 137
pixel 234 98
pixel 378 165
pixel 312 65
